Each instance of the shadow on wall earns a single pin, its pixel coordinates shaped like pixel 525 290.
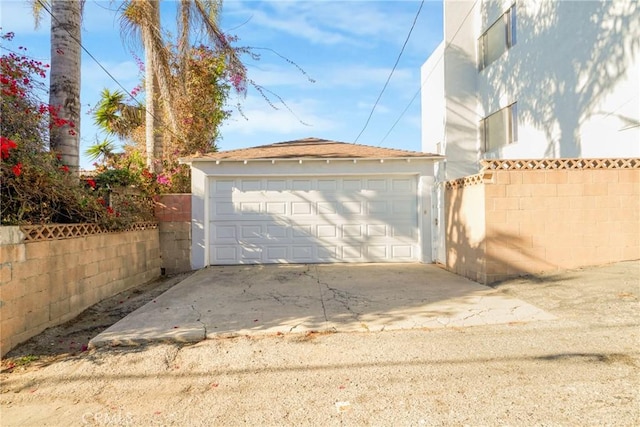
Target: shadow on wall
pixel 559 77
pixel 484 255
pixel 461 115
pixel 357 227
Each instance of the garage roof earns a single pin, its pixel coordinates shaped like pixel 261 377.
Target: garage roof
pixel 311 148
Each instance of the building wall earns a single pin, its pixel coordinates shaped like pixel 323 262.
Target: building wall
pixel 573 73
pixel 46 283
pixel 575 79
pixel 460 88
pixel 433 102
pixel 173 213
pixel 506 223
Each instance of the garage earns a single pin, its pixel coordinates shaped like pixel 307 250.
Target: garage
pixel 311 201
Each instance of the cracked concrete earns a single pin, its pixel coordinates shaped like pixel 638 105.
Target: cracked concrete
pixel 226 301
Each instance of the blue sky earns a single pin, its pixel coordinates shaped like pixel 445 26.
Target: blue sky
pixel 347 47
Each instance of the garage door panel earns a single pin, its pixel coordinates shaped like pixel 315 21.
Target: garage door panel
pixel 326 231
pixel 276 184
pixel 313 219
pixel 277 231
pixel 402 184
pixel 327 185
pixel 407 231
pixel 352 253
pixel 302 253
pixel 225 254
pixel 276 208
pixel 222 186
pixel 250 208
pixel 327 253
pixel 252 253
pixel 301 185
pixel 377 252
pixel 376 230
pixel 301 208
pixel 351 230
pixel 302 231
pixel 251 232
pixel 223 208
pixel 224 231
pixel 377 208
pixel 275 254
pixel 327 208
pixel 352 208
pixel 401 251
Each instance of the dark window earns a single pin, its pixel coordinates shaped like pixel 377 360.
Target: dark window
pixel 500 128
pixel 498 38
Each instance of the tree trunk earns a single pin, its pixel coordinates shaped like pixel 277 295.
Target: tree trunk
pixel 153 136
pixel 150 113
pixel 64 86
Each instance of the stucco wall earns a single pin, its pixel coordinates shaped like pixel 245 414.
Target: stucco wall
pixel 573 72
pixel 575 78
pixel 45 283
pixel 533 221
pixel 173 213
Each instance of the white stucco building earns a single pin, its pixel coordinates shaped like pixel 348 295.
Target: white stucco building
pixel 532 79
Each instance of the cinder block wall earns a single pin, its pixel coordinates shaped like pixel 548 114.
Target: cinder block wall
pixel 46 283
pixel 541 221
pixel 173 213
pixel 465 230
pixel 561 219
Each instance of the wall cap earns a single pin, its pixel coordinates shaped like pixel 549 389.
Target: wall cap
pixel 554 164
pixel 11 235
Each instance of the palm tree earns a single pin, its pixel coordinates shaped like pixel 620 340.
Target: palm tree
pixel 141 18
pixel 101 151
pixel 115 116
pixel 64 79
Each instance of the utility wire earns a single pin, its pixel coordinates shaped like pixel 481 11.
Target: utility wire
pixel 430 72
pixel 392 71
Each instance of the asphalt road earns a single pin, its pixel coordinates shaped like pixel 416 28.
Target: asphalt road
pixel 581 368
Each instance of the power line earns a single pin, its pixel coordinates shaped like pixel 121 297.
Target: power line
pixel 422 82
pixel 392 71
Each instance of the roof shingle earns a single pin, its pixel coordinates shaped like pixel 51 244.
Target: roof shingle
pixel 311 148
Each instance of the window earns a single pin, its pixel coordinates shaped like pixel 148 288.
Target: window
pixel 498 38
pixel 500 128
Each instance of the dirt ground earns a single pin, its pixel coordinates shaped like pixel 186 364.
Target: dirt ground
pixel 582 368
pixel 71 338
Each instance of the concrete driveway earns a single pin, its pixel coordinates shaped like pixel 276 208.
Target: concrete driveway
pixel 225 301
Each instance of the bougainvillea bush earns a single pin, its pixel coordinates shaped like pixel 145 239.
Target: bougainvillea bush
pixel 35 186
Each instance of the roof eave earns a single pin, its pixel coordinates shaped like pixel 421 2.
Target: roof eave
pixel 189 161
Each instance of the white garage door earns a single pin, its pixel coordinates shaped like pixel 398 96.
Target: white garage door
pixel 313 219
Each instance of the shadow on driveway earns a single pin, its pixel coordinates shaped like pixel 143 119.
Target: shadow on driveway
pixel 227 301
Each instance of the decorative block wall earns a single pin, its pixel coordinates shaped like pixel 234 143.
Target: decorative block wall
pixel 173 213
pixel 530 216
pixel 51 280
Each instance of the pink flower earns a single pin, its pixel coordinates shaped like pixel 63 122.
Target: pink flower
pixel 163 180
